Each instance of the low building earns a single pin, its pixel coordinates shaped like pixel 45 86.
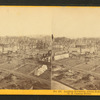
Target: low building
pixel 61 56
pixel 40 70
pixel 58 46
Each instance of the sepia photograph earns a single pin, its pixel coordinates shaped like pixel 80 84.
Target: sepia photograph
pixel 25 48
pixel 49 48
pixel 76 48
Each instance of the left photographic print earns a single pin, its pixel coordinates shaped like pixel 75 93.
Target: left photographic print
pixel 25 47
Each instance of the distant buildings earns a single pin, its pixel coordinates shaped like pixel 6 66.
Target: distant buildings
pixel 75 50
pixel 82 49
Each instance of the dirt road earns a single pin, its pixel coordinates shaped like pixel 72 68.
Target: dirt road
pixel 58 86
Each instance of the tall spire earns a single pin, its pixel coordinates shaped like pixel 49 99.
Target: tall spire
pixel 52 37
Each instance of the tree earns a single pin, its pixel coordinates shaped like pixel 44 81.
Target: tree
pixel 40 44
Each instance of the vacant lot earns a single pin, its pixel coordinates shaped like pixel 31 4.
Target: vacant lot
pixel 18 73
pixel 77 73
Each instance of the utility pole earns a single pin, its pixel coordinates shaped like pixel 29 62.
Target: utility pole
pixel 2 48
pixel 52 48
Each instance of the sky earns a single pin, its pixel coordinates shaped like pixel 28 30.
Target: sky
pixel 71 22
pixel 25 21
pixel 77 22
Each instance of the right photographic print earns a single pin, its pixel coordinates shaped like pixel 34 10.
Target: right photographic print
pixel 76 48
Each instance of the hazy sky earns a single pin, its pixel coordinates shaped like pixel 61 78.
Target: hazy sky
pixel 77 22
pixel 25 21
pixel 71 22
